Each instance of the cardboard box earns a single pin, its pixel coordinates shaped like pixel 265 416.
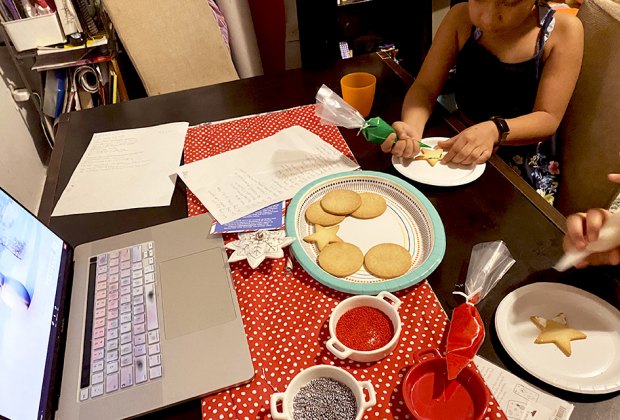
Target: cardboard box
pixel 38 31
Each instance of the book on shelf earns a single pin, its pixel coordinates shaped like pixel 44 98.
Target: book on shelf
pixel 54 93
pixel 93 42
pixel 72 58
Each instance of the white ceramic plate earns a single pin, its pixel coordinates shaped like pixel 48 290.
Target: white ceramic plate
pixel 440 175
pixel 594 365
pixel 410 220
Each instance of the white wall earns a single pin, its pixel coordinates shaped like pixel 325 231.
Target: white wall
pixel 440 8
pixel 292 53
pixel 21 172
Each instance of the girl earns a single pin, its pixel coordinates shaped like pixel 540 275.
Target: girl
pixel 517 64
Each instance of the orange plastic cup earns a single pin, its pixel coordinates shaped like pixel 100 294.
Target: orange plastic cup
pixel 358 90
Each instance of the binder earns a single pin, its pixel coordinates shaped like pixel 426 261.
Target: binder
pixel 54 96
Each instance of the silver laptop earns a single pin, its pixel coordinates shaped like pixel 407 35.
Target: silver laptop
pixel 116 327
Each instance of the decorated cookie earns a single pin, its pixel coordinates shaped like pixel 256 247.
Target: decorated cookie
pixel 316 214
pixel 341 259
pixel 556 331
pixel 341 202
pixel 387 260
pixel 323 236
pixel 373 205
pixel 432 156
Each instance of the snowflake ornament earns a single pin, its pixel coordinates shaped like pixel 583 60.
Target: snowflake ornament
pixel 256 246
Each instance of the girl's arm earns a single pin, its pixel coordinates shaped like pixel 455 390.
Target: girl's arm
pixel 556 86
pixel 422 95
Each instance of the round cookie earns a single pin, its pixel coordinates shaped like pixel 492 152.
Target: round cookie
pixel 341 202
pixel 315 214
pixel 387 260
pixel 341 259
pixel 373 205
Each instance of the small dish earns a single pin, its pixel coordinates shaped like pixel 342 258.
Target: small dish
pixel 440 175
pixel 594 366
pixel 429 395
pixel 388 304
pixel 410 220
pixel 281 403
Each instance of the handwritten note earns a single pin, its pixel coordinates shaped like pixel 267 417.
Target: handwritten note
pixel 125 169
pixel 236 183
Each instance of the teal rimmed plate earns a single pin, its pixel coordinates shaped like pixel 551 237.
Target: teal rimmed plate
pixel 410 220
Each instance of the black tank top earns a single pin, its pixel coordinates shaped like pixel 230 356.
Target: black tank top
pixel 486 86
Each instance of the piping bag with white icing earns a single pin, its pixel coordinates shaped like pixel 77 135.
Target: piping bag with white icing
pixel 608 238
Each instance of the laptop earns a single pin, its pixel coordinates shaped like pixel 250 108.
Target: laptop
pixel 117 327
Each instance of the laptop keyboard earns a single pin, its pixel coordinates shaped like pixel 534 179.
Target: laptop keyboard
pixel 121 344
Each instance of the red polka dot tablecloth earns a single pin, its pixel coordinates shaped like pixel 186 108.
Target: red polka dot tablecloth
pixel 286 313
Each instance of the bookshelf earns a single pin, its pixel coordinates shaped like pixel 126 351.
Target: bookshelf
pixel 80 72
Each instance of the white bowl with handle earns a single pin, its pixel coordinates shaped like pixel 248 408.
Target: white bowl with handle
pixel 281 403
pixel 386 303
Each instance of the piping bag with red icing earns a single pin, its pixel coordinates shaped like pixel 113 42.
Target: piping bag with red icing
pixel 488 263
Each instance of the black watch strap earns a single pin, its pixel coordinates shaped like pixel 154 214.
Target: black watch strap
pixel 502 128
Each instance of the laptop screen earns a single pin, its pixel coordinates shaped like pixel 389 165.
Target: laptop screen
pixel 33 272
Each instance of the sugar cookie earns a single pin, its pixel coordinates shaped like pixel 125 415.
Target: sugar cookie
pixel 341 259
pixel 556 331
pixel 373 205
pixel 341 202
pixel 387 260
pixel 432 156
pixel 315 214
pixel 323 236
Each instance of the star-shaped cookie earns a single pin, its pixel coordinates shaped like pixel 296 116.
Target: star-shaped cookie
pixel 323 236
pixel 256 246
pixel 556 331
pixel 432 156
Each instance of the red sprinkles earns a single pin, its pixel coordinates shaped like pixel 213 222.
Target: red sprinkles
pixel 364 329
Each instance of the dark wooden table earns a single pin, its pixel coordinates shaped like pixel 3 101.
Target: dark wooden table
pixel 497 206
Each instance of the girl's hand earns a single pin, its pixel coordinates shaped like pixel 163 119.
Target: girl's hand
pixel 407 145
pixel 473 145
pixel 583 228
pixel 614 177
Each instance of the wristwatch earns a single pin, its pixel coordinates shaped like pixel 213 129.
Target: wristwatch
pixel 502 128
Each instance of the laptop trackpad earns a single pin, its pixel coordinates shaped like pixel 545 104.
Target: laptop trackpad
pixel 196 292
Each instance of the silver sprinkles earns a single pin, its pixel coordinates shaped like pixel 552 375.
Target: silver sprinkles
pixel 324 398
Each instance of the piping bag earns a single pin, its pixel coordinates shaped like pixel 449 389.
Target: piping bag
pixel 608 238
pixel 334 110
pixel 488 263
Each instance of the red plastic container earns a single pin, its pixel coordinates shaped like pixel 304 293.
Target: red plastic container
pixel 429 395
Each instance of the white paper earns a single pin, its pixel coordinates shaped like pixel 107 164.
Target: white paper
pixel 518 399
pixel 125 169
pixel 241 181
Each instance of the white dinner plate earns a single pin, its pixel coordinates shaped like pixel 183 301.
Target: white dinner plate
pixel 441 175
pixel 594 365
pixel 410 220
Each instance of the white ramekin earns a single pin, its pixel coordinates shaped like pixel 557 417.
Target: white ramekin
pixel 285 411
pixel 386 303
